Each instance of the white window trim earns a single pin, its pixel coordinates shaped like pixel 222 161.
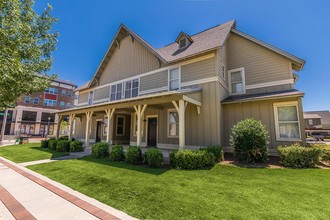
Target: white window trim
pixel 29 98
pixel 277 128
pixel 169 75
pixel 242 70
pixel 310 121
pixel 124 125
pixel 168 123
pixel 124 85
pixel 89 97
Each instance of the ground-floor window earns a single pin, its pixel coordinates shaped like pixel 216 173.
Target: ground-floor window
pixel 120 125
pixel 27 129
pixel 173 123
pixel 287 121
pixel 44 130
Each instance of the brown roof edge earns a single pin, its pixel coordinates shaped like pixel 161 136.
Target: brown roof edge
pixel 263 96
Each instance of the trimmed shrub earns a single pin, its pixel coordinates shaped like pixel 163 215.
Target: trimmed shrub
pixel 325 152
pixel 191 160
pixel 217 151
pixel 44 143
pixel 76 146
pixel 172 158
pixel 133 155
pixel 153 158
pixel 52 144
pixel 64 138
pixel 249 140
pixel 100 150
pixel 296 156
pixel 63 146
pixel 117 153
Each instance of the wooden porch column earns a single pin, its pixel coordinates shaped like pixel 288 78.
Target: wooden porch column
pixel 88 120
pixel 59 120
pixel 109 113
pixel 139 113
pixel 181 108
pixel 71 119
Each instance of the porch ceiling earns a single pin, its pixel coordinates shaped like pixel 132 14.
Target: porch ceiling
pixel 153 101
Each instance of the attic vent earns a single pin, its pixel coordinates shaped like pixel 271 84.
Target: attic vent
pixel 182 43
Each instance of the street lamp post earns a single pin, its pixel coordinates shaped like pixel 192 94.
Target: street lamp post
pixel 48 126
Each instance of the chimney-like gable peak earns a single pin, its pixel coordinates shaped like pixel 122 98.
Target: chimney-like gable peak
pixel 183 40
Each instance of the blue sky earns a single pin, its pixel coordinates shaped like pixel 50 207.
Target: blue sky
pixel 298 27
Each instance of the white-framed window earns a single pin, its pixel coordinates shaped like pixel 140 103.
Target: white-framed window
pixel 135 126
pixel 116 92
pixel 174 79
pixel 173 123
pixel 63 92
pixel 310 121
pixel 68 105
pixel 131 88
pixel 61 104
pixel 27 99
pixel 237 81
pixel 49 102
pixel 120 125
pixel 287 123
pixel 90 97
pixel 35 101
pixel 51 90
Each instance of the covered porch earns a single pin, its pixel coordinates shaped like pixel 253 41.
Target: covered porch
pixel 156 120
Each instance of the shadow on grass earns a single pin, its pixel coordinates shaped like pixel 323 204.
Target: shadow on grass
pixel 123 165
pixel 54 154
pixel 273 162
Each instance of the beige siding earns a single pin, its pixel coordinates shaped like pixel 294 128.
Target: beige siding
pixel 198 70
pixel 154 81
pixel 131 59
pixel 261 65
pixel 122 139
pixel 270 89
pixel 102 93
pixel 260 110
pixel 83 97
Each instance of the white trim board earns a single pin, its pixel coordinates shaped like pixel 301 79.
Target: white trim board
pixel 274 83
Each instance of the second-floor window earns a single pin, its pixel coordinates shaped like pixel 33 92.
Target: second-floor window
pixel 36 101
pixel 69 93
pixel 61 104
pixel 237 81
pixel 51 90
pixel 63 92
pixel 131 88
pixel 27 99
pixel 174 79
pixel 48 102
pixel 90 97
pixel 116 92
pixel 68 105
pixel 310 121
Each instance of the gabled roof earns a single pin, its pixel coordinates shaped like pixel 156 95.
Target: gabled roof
pixel 324 115
pixel 122 32
pixel 185 35
pixel 311 116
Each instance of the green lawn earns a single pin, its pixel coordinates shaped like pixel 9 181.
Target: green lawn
pixel 224 192
pixel 28 152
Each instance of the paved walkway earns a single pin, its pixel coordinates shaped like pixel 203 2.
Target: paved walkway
pixel 25 194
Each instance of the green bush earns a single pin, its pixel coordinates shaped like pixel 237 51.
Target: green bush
pixel 117 153
pixel 63 146
pixel 76 146
pixel 44 143
pixel 325 152
pixel 299 157
pixel 172 158
pixel 191 160
pixel 249 140
pixel 134 155
pixel 52 144
pixel 153 158
pixel 63 138
pixel 100 150
pixel 217 151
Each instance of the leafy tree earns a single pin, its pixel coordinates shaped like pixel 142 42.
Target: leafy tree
pixel 27 42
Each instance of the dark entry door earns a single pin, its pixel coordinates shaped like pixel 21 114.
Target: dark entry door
pixel 152 132
pixel 98 131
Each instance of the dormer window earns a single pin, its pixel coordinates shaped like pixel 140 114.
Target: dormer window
pixel 184 40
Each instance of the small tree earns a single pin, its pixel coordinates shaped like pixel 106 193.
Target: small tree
pixel 249 140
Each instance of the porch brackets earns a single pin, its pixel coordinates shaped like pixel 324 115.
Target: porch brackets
pixel 181 108
pixel 139 110
pixel 88 122
pixel 71 119
pixel 57 132
pixel 109 112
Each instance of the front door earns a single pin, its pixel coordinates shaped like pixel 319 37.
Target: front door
pixel 152 132
pixel 98 131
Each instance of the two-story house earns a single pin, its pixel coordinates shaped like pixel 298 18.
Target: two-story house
pixel 190 93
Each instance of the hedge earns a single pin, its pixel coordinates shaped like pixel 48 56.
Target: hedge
pixel 217 151
pixel 133 155
pixel 63 146
pixel 153 158
pixel 117 153
pixel 52 144
pixel 191 160
pixel 296 156
pixel 100 150
pixel 44 143
pixel 76 146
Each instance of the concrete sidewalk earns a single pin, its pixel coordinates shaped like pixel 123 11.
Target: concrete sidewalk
pixel 25 194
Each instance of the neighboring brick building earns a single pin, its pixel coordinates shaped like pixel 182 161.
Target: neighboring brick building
pixel 34 112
